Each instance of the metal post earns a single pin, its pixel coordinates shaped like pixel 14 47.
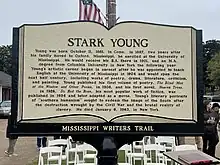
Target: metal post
pixel 111 13
pixel 107 152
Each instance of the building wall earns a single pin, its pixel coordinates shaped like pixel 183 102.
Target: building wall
pixel 6 93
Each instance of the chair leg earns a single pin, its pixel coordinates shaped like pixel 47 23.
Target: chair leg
pixel 67 159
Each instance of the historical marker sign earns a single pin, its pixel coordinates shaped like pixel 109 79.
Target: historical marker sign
pixel 80 76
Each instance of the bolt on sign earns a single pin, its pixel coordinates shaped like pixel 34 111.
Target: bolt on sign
pixel 135 78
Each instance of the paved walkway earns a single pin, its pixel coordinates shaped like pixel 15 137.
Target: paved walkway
pixel 27 152
pixel 25 148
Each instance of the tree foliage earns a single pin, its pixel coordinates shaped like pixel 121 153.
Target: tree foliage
pixel 210 49
pixel 214 70
pixel 6 58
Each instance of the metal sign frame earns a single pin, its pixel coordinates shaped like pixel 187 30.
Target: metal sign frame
pixel 48 129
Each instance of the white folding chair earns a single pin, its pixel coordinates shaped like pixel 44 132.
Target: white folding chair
pixel 168 141
pixel 57 142
pixel 158 150
pixel 50 150
pixel 70 141
pixel 146 139
pixel 127 148
pixel 150 139
pixel 86 149
pixel 71 152
pixel 138 145
pixel 137 151
pixel 185 147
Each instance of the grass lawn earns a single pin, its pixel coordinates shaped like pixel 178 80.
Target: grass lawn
pixel 121 158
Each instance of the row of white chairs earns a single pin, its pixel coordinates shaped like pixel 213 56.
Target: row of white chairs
pixel 143 150
pixel 70 155
pixel 160 144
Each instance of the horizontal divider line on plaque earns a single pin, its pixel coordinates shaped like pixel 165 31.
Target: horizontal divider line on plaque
pixel 112 120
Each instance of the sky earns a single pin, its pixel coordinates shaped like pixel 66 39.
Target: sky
pixel 201 14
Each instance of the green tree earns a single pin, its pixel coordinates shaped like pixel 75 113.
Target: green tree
pixel 6 58
pixel 214 70
pixel 210 48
